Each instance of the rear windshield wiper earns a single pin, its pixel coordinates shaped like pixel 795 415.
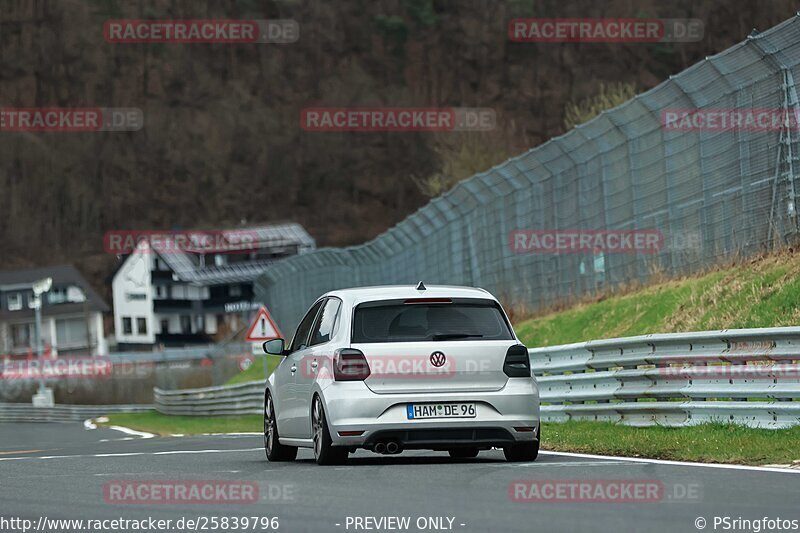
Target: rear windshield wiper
pixel 447 336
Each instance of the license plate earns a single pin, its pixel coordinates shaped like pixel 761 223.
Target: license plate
pixel 417 411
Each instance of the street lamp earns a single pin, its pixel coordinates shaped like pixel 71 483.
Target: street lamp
pixel 40 287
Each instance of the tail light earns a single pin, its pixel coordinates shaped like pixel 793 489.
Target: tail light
pixel 517 363
pixel 350 364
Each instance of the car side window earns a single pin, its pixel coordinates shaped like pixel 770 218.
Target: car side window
pixel 324 329
pixel 301 335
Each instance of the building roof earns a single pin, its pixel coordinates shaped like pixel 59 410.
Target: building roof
pixel 63 275
pixel 271 236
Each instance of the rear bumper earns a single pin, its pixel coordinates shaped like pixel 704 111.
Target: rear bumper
pixel 352 407
pixel 443 439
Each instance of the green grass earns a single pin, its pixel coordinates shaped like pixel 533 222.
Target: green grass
pixel 256 370
pixel 716 443
pixel 710 443
pixel 155 422
pixel 760 293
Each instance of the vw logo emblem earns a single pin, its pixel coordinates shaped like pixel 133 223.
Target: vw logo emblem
pixel 438 359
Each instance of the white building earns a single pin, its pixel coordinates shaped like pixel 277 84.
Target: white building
pixel 169 295
pixel 72 313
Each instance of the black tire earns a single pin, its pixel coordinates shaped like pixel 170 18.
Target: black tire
pixel 526 451
pixel 276 452
pixel 324 451
pixel 463 453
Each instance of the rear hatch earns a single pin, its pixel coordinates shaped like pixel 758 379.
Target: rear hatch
pixel 407 367
pixel 433 344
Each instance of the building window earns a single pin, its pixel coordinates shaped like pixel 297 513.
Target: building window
pixel 161 291
pixel 200 322
pixel 141 326
pixel 14 302
pixel 21 335
pixel 164 326
pixel 75 294
pixel 235 290
pixel 72 332
pixel 127 325
pixel 57 296
pixel 179 292
pixel 186 324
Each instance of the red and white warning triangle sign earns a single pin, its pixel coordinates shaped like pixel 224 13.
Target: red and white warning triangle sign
pixel 263 328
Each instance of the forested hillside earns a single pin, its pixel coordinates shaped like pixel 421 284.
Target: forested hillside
pixel 222 141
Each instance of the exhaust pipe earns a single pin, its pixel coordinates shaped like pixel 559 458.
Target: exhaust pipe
pixel 392 447
pixel 379 447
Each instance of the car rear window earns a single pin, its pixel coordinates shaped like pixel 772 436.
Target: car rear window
pixel 399 321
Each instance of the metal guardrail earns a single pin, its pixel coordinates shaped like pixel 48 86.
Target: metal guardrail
pixel 22 412
pixel 231 400
pixel 747 376
pixel 180 354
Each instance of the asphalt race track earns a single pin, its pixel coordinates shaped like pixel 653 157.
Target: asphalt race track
pixel 61 471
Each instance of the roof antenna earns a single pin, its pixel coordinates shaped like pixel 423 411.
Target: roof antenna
pixel 421 286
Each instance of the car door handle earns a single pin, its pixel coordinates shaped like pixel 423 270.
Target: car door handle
pixel 293 369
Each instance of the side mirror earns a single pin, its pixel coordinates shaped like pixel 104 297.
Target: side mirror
pixel 274 347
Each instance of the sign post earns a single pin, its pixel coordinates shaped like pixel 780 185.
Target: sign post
pixel 263 328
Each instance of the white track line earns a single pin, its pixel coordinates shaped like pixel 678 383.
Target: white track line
pixel 675 463
pixel 89 424
pixel 133 432
pixel 240 434
pixel 129 454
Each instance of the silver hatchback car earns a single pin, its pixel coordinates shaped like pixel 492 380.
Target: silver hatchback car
pixel 401 367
